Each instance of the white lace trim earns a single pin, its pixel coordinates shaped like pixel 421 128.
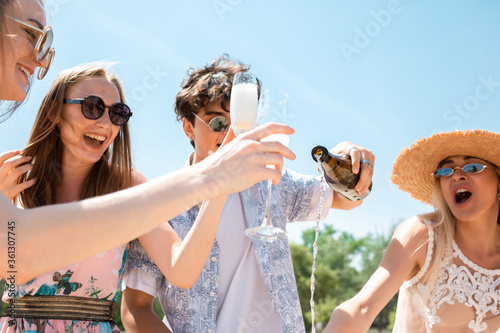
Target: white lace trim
pixel 478 290
pixel 457 253
pixel 430 249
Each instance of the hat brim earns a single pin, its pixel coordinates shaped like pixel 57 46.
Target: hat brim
pixel 413 168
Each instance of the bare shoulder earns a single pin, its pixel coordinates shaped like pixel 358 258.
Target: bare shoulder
pixel 413 235
pixel 138 178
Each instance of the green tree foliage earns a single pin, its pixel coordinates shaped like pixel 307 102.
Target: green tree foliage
pixel 371 258
pixel 343 265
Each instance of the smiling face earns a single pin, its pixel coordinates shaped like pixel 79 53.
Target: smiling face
pixel 18 45
pixel 205 140
pixel 86 140
pixel 471 196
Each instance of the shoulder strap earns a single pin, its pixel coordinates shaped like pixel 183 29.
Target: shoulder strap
pixel 430 249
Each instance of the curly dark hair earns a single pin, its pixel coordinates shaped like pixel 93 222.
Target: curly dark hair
pixel 208 84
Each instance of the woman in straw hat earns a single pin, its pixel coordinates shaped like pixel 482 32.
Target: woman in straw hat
pixel 446 264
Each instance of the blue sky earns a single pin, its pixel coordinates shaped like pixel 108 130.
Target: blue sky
pixel 378 73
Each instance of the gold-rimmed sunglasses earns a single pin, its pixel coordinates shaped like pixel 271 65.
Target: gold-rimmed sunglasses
pixel 43 49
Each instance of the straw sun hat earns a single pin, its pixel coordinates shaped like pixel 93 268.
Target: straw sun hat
pixel 412 171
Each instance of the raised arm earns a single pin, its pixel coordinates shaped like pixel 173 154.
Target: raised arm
pixel 181 262
pixel 41 238
pixel 403 259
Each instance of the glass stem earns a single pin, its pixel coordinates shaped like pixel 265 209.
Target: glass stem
pixel 267 215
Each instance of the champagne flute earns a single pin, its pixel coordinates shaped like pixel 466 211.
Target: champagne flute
pixel 243 103
pixel 272 108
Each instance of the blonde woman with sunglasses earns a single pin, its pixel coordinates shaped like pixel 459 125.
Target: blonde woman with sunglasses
pixel 446 264
pixel 108 221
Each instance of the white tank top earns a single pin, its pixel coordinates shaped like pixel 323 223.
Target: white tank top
pixel 465 298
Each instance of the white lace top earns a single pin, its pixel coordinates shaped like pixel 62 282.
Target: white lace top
pixel 465 298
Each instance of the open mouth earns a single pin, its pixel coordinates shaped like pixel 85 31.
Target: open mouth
pixel 94 140
pixel 462 195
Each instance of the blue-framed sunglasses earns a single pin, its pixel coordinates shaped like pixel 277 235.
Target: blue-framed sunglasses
pixel 470 169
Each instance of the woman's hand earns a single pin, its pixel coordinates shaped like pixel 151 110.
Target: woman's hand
pixel 362 159
pixel 12 166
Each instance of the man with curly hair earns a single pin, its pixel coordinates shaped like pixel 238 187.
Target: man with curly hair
pixel 245 286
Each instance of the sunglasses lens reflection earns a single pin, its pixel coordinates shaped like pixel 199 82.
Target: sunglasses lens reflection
pixel 443 172
pixel 119 114
pixel 473 168
pixel 219 124
pixel 92 107
pixel 43 45
pixel 46 44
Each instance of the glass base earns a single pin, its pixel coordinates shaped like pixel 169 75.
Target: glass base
pixel 266 233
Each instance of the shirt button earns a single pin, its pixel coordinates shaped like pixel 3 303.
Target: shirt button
pixel 212 294
pixel 214 259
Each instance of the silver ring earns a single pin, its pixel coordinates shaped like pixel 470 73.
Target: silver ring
pixel 352 148
pixel 367 162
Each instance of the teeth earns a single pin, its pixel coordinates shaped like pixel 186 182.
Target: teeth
pixel 27 72
pixel 96 137
pixel 462 190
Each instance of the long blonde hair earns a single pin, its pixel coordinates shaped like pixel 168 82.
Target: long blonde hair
pixel 111 173
pixel 443 223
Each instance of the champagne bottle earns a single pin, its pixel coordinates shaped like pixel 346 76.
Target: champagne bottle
pixel 338 173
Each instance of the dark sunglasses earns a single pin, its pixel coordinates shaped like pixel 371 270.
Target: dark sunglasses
pixel 471 169
pixel 43 46
pixel 216 124
pixel 93 108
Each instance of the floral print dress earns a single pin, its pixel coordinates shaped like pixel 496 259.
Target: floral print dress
pixel 97 277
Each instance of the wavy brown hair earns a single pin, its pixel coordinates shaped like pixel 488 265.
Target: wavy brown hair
pixel 111 173
pixel 208 84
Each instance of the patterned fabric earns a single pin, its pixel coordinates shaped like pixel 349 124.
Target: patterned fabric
pixel 97 277
pixel 195 309
pixel 465 298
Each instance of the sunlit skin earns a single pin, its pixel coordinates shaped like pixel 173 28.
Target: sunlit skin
pixel 483 204
pixel 18 49
pixel 205 140
pixel 86 140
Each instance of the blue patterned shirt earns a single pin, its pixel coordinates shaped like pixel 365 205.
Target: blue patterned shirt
pixel 195 309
